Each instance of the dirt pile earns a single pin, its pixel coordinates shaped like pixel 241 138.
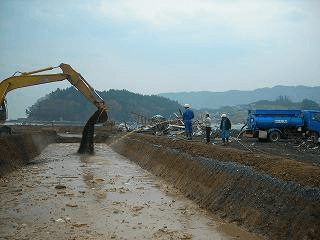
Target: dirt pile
pixel 269 194
pixel 19 148
pixel 281 166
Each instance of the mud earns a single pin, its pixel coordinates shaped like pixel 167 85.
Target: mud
pixel 64 195
pixel 269 189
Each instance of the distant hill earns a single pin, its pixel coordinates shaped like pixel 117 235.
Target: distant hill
pixel 215 100
pixel 70 105
pixel 239 113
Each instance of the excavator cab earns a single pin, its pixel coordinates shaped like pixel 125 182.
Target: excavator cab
pixel 3 112
pixel 4 130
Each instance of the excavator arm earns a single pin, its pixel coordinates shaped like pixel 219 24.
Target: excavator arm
pixel 27 79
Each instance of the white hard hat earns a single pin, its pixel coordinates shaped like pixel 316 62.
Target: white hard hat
pixel 224 115
pixel 187 105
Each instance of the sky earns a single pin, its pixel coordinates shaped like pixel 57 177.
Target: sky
pixel 152 47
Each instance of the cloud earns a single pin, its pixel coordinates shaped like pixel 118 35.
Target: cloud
pixel 193 40
pixel 244 18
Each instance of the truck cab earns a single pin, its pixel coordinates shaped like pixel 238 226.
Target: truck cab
pixel 312 122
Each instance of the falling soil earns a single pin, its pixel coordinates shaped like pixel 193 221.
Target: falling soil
pixel 87 140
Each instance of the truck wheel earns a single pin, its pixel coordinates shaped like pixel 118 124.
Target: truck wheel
pixel 5 130
pixel 274 136
pixel 315 137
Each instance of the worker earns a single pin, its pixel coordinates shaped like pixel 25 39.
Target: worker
pixel 225 127
pixel 207 124
pixel 188 115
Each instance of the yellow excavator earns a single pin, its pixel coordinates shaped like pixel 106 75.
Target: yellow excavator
pixel 26 79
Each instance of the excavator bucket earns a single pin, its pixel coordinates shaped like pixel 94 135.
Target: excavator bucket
pixel 103 117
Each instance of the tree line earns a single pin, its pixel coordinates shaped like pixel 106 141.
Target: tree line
pixel 70 105
pixel 285 102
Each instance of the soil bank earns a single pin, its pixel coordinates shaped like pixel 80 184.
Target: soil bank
pixel 268 194
pixel 18 149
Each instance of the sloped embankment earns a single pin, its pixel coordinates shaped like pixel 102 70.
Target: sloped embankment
pixel 270 195
pixel 18 149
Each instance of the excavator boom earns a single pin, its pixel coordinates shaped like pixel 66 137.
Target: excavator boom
pixel 21 81
pixel 27 79
pixel 83 86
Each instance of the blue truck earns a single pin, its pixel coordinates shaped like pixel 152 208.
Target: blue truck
pixel 274 125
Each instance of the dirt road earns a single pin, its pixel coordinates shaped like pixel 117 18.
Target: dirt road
pixel 64 195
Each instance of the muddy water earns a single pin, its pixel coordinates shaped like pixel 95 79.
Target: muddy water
pixel 105 196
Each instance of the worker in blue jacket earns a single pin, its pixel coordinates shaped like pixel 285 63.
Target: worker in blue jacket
pixel 187 119
pixel 225 128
